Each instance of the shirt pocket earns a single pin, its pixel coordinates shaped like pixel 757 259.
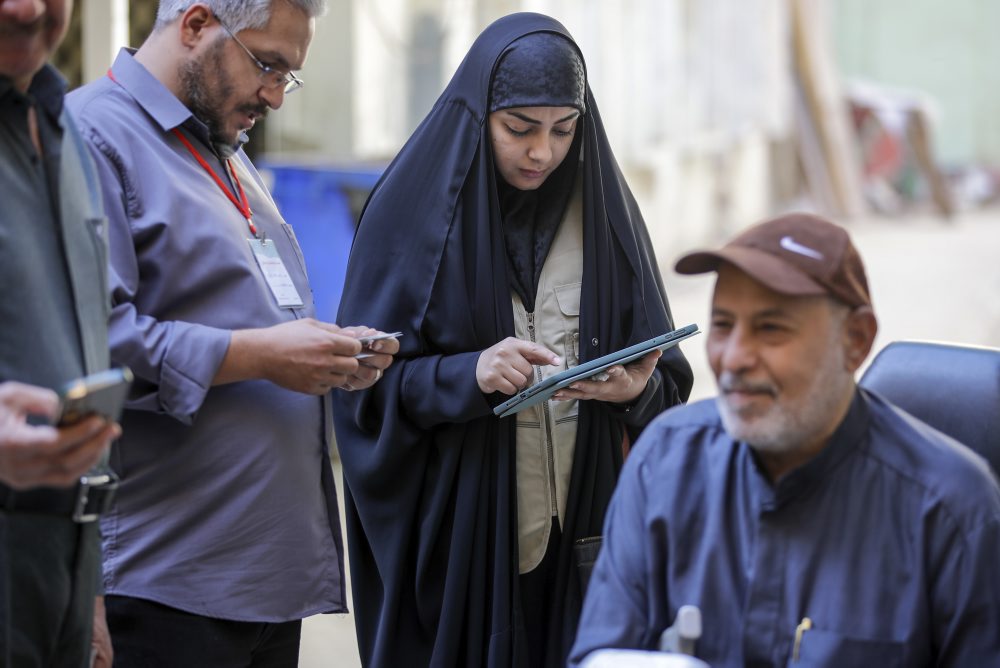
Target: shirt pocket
pixel 826 648
pixel 568 299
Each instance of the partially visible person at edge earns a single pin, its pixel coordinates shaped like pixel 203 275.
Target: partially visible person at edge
pixel 52 264
pixel 226 531
pixel 811 521
pixel 508 247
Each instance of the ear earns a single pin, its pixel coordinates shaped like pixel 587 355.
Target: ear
pixel 193 22
pixel 860 328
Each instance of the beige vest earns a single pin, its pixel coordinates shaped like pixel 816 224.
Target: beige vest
pixel 546 433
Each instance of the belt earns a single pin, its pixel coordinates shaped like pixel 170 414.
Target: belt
pixel 83 503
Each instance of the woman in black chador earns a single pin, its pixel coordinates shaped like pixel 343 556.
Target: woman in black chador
pixel 505 245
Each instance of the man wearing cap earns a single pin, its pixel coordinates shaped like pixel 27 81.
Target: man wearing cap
pixel 807 518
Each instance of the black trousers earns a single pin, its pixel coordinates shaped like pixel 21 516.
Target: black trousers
pixel 49 573
pixel 145 634
pixel 536 599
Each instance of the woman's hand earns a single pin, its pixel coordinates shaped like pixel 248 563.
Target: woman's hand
pixel 375 358
pixel 507 366
pixel 624 383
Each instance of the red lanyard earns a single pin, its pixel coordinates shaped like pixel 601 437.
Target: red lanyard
pixel 241 204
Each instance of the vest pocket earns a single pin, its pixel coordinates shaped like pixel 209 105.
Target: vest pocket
pixel 568 298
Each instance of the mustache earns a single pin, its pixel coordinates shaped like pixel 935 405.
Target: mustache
pixel 731 382
pixel 258 110
pixel 11 28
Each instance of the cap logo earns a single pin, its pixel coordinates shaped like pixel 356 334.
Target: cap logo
pixel 790 244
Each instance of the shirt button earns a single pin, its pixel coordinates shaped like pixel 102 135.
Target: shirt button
pixel 593 342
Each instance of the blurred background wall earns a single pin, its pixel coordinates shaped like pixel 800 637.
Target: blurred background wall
pixel 947 50
pixel 721 112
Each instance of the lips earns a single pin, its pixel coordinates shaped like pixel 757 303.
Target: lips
pixel 532 174
pixel 250 114
pixel 740 393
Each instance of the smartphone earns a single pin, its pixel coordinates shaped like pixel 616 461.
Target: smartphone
pixel 367 340
pixel 366 343
pixel 102 393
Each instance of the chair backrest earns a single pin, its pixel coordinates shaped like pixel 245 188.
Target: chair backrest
pixel 954 388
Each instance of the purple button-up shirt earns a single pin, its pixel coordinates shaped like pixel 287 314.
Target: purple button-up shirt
pixel 227 505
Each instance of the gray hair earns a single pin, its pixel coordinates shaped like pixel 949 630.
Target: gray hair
pixel 236 14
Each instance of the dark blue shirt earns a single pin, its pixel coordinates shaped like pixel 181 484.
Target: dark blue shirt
pixel 53 246
pixel 888 542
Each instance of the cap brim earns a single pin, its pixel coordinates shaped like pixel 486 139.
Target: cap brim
pixel 765 268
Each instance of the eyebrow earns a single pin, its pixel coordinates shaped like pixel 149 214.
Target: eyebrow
pixel 529 119
pixel 273 58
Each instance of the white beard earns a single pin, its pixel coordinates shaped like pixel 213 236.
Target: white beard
pixel 787 425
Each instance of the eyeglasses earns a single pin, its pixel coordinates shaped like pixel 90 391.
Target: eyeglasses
pixel 270 77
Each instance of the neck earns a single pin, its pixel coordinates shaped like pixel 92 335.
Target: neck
pixel 163 60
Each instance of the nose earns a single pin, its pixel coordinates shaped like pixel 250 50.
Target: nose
pixel 540 149
pixel 23 11
pixel 737 351
pixel 273 97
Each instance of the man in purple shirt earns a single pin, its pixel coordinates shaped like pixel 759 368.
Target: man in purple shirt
pixel 225 532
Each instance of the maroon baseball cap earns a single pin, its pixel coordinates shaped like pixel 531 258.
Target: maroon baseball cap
pixel 794 254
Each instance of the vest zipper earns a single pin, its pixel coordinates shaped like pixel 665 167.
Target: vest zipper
pixel 547 420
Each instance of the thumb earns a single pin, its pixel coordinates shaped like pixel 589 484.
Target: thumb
pixel 28 399
pixel 649 360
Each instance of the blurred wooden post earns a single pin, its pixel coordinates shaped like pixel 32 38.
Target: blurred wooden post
pixel 105 30
pixel 919 133
pixel 827 108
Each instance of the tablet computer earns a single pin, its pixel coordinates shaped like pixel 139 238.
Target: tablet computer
pixel 541 391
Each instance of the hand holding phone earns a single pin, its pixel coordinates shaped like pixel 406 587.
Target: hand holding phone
pixel 102 393
pixel 367 341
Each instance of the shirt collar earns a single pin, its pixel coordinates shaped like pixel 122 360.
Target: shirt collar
pixel 845 439
pixel 47 90
pixel 156 99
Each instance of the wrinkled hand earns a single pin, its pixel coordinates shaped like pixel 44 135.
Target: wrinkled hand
pixel 624 383
pixel 100 640
pixel 36 455
pixel 507 366
pixel 370 368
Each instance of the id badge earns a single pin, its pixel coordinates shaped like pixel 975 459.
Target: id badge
pixel 275 273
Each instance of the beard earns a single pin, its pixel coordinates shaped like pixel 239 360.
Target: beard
pixel 789 423
pixel 208 88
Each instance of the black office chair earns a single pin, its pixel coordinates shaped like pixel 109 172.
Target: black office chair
pixel 953 388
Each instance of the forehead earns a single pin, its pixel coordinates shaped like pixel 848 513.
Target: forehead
pixel 284 41
pixel 739 294
pixel 539 114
